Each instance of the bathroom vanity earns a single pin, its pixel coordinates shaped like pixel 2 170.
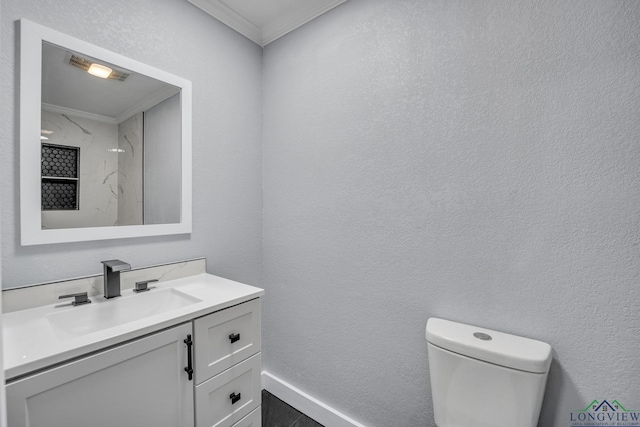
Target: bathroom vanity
pixel 185 353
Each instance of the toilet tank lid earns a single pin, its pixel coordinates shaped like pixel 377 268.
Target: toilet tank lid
pixel 502 349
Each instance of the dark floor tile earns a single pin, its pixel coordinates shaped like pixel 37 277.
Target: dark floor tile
pixel 276 413
pixel 305 421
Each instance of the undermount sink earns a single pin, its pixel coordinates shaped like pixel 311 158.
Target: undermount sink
pixel 104 314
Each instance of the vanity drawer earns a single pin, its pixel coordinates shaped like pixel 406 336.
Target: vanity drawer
pixel 254 419
pixel 216 404
pixel 225 338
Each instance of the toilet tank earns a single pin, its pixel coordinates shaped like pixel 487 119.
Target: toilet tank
pixel 485 378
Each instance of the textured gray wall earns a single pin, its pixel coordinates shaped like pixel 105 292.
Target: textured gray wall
pixel 3 400
pixel 225 69
pixel 471 160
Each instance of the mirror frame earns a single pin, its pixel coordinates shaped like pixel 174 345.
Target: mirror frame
pixel 31 38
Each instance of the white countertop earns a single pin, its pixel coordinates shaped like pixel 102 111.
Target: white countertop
pixel 31 342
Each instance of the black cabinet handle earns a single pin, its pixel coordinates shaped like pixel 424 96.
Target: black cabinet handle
pixel 234 397
pixel 234 337
pixel 189 368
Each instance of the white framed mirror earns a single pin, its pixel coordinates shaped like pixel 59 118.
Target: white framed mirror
pixel 101 156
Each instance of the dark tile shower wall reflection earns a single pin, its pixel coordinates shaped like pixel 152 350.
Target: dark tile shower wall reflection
pixel 276 413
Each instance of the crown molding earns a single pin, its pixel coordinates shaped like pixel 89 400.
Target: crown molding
pixel 231 18
pixel 296 17
pixel 77 113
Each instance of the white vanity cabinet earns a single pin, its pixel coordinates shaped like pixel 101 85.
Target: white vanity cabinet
pixel 146 381
pixel 139 383
pixel 227 367
pixel 185 354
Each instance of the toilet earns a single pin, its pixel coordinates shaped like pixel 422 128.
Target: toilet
pixel 485 378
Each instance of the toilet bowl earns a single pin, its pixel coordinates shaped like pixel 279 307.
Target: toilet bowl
pixel 485 378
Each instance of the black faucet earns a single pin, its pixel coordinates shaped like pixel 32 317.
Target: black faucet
pixel 112 269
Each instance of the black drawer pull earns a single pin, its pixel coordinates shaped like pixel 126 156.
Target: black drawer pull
pixel 234 337
pixel 234 397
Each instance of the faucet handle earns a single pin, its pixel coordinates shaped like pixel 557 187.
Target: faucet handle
pixel 79 298
pixel 144 285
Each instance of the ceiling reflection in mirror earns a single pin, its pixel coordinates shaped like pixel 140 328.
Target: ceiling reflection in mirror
pixel 121 131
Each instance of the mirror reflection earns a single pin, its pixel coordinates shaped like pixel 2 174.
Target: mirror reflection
pixel 110 144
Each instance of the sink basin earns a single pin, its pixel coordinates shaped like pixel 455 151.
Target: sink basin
pixel 104 314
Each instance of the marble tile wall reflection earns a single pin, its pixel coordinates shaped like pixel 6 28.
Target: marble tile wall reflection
pixel 98 194
pixel 130 165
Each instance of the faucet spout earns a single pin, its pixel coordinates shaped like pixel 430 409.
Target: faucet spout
pixel 112 269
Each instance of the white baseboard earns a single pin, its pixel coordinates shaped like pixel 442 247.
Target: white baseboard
pixel 310 406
